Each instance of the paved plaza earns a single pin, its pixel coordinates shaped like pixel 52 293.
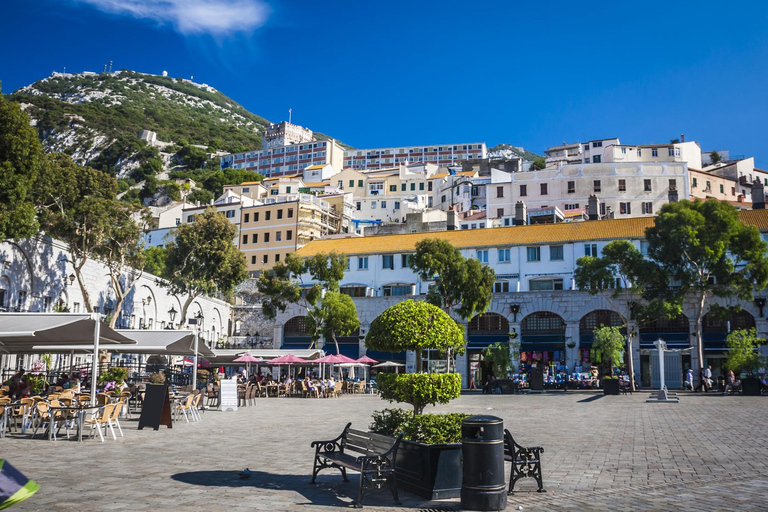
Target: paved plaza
pixel 709 452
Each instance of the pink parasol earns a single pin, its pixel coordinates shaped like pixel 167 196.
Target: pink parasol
pixel 367 360
pixel 247 358
pixel 325 359
pixel 341 358
pixel 288 359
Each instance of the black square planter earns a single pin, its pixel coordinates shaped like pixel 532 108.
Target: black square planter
pixel 610 386
pixel 432 471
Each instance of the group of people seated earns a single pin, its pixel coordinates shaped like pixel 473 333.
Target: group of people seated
pixel 317 387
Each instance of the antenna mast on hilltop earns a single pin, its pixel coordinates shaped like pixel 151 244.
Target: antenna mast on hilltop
pixel 289 115
pixel 110 66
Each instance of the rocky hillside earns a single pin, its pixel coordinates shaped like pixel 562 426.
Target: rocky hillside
pixel 508 152
pixel 97 118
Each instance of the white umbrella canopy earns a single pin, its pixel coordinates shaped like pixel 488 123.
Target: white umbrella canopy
pixel 389 364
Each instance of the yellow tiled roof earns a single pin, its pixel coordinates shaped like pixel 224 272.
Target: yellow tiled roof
pixel 316 166
pixel 318 184
pixel 515 235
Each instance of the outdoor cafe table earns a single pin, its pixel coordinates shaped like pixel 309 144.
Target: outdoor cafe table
pixel 81 410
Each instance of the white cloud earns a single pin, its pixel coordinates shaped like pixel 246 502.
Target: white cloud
pixel 216 17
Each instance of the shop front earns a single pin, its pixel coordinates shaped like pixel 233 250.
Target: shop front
pixel 675 332
pixel 484 330
pixel 587 357
pixel 542 346
pixel 715 330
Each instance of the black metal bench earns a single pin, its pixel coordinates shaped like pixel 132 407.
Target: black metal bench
pixel 376 462
pixel 526 462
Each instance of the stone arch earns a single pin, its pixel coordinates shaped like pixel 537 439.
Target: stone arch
pixel 486 329
pixel 594 320
pixel 715 329
pixel 542 335
pixel 296 332
pixel 675 331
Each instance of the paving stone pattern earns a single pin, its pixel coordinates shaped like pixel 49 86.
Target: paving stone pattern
pixel 709 452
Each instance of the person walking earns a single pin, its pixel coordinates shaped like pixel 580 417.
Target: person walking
pixel 689 379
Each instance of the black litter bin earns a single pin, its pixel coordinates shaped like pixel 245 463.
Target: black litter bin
pixel 482 448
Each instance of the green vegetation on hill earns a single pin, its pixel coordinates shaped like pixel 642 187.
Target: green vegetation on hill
pixel 524 154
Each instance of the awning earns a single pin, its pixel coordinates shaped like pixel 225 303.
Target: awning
pixel 165 342
pixel 22 333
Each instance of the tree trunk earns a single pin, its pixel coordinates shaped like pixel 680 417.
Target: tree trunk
pixel 83 290
pixel 699 341
pixel 185 308
pixel 418 360
pixel 631 359
pixel 335 342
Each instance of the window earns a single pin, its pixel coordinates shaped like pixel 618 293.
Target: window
pixel 393 188
pixel 360 183
pixel 708 188
pixel 397 205
pixel 351 183
pixel 523 190
pixel 421 186
pixel 405 260
pixel 245 239
pixel 499 191
pixel 287 191
pixel 625 208
pixel 362 263
pixel 504 256
pixel 190 218
pixel 677 151
pixel 647 185
pixel 274 191
pixel 596 186
pixel 373 205
pixel 648 208
pixel 571 206
pixel 722 188
pixel 671 152
pixel 501 287
pixel 590 250
pixel 253 260
pixel 499 212
pixel 442 198
pixel 597 159
pixel 654 152
pixel 290 213
pixel 733 191
pixel 429 186
pixel 545 284
pixel 482 256
pixel 534 253
pixel 279 236
pixel 623 151
pixel 622 185
pixel 413 187
pixel 672 184
pixel 277 258
pixel 230 214
pixel 247 217
pixel 556 253
pixel 695 183
pixel 266 238
pixel 265 259
pixel 571 187
pixel 346 267
pixel 358 206
pixel 388 261
pixel 256 217
pixel 543 189
pixel 394 290
pixel 403 187
pixel 289 235
pixel 255 238
pixel 597 144
pixel 267 215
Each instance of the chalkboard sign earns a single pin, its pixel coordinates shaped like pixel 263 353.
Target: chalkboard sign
pixel 228 393
pixel 537 379
pixel 156 407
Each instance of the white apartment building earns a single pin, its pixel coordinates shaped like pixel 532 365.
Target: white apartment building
pixel 611 150
pixel 441 154
pixel 624 189
pixel 287 160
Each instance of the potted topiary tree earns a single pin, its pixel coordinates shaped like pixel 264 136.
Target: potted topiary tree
pixel 609 346
pixel 743 357
pixel 428 461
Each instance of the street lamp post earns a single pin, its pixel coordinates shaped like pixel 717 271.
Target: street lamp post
pixel 172 314
pixel 199 319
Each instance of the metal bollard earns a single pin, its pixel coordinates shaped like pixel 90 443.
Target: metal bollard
pixel 482 446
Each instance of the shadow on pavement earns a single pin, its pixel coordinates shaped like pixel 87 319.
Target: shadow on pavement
pixel 330 490
pixel 591 399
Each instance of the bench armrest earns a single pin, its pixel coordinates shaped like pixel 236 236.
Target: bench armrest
pixel 332 442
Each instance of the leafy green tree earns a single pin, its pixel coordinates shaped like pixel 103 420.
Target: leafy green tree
pixel 706 251
pixel 154 261
pixel 191 156
pixel 338 316
pixel 743 345
pixel 283 285
pixel 618 275
pixel 715 158
pixel 200 195
pixel 415 325
pixel 78 207
pixel 499 357
pixel 461 284
pixel 21 162
pixel 538 163
pixel 203 259
pixel 609 344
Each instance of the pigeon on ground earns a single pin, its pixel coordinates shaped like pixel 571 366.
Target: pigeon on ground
pixel 245 474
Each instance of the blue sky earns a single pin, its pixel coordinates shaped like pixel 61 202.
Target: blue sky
pixel 377 74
